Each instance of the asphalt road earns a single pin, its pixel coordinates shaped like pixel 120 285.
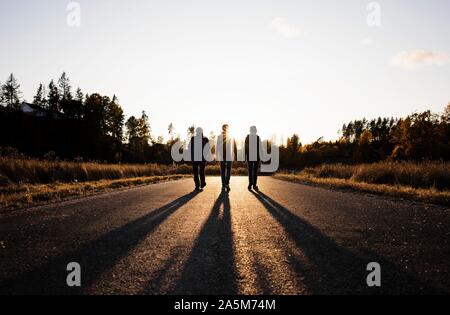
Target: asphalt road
pixel 287 239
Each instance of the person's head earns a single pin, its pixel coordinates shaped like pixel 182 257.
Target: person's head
pixel 199 132
pixel 225 129
pixel 253 130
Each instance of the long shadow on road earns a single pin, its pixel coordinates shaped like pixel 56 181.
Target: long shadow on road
pixel 95 257
pixel 333 269
pixel 210 268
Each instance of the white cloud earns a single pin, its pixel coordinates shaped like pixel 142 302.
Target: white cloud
pixel 417 58
pixel 282 26
pixel 366 41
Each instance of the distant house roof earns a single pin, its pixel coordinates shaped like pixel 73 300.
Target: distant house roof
pixel 30 106
pixel 33 109
pixel 39 111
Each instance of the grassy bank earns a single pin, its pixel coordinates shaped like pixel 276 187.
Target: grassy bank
pixel 31 171
pixel 428 181
pixel 24 195
pixel 26 182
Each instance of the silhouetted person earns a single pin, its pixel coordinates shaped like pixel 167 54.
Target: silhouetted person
pixel 226 153
pixel 252 157
pixel 198 158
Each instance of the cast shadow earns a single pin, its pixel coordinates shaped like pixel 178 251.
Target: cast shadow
pixel 333 269
pixel 94 258
pixel 210 268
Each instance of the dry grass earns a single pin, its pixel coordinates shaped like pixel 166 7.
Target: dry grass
pixel 32 171
pixel 417 175
pixel 19 171
pixel 428 182
pixel 24 195
pixel 26 182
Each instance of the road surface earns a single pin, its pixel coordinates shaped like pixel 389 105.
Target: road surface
pixel 287 239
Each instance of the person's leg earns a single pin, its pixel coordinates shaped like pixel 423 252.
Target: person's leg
pixel 223 173
pixel 195 171
pixel 202 175
pixel 228 173
pixel 255 174
pixel 250 174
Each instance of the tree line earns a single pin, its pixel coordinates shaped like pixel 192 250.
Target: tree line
pixel 74 125
pixel 417 137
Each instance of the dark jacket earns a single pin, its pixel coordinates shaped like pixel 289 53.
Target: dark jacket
pixel 247 149
pixel 205 141
pixel 225 146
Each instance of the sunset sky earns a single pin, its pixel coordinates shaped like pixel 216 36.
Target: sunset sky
pixel 284 66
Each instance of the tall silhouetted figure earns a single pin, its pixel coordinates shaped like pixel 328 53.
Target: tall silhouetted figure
pixel 197 149
pixel 226 151
pixel 253 157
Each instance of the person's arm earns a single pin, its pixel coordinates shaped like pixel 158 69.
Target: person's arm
pixel 259 149
pixel 235 151
pixel 191 149
pixel 246 148
pixel 219 148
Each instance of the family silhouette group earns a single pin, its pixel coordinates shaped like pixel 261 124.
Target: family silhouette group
pixel 226 154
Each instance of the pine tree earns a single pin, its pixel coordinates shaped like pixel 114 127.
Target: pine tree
pixel 79 95
pixel 10 92
pixel 39 99
pixel 53 97
pixel 144 128
pixel 114 119
pixel 65 88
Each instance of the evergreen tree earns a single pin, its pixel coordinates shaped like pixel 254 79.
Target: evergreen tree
pixel 65 88
pixel 40 99
pixel 78 104
pixel 53 97
pixel 66 103
pixel 115 119
pixel 79 95
pixel 10 93
pixel 144 128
